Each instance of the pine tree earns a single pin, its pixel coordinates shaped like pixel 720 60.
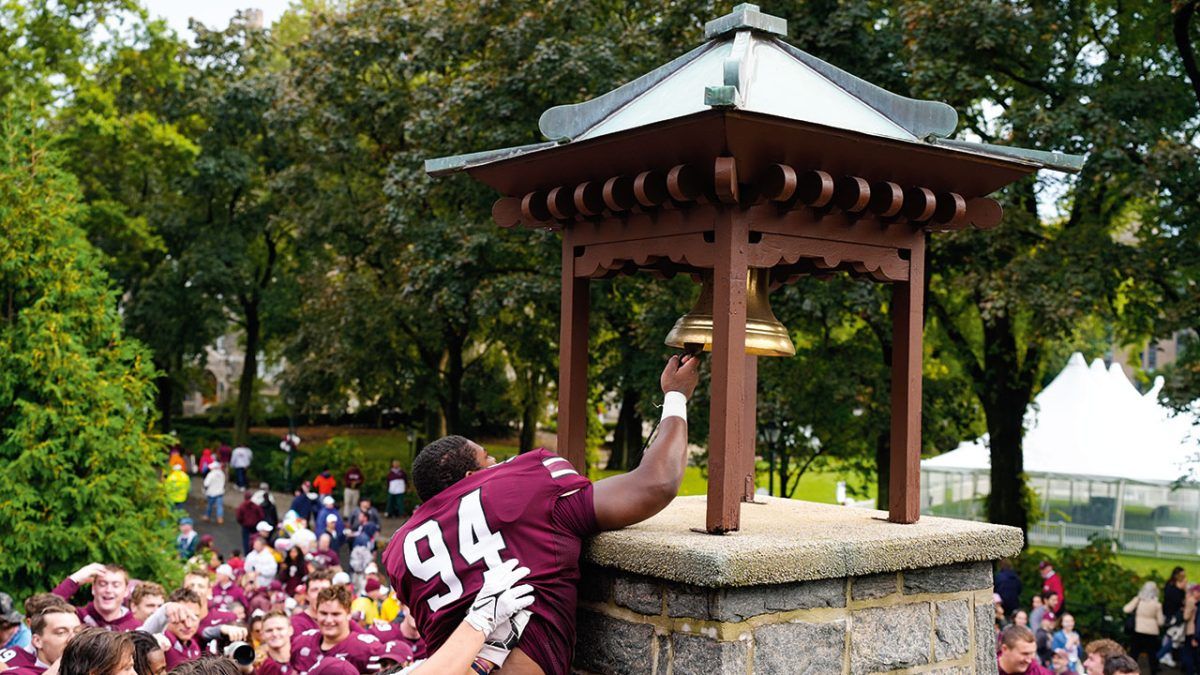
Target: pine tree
pixel 79 468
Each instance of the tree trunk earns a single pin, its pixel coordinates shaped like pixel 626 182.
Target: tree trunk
pixel 241 415
pixel 883 469
pixel 530 410
pixel 453 371
pixel 627 437
pixel 1005 392
pixel 165 399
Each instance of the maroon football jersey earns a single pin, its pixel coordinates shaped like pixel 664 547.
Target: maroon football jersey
pixel 180 652
pixel 357 648
pixel 224 597
pixel 534 507
pixel 17 657
pixel 270 666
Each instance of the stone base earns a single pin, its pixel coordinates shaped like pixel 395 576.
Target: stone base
pixel 880 611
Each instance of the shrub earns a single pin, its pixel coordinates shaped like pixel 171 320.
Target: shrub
pixel 1096 586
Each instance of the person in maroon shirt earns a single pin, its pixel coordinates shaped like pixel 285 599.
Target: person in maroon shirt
pixel 318 580
pixel 52 629
pixel 213 621
pixel 333 639
pixel 1052 583
pixel 1018 652
pixel 109 583
pixel 277 642
pixel 180 631
pixel 226 593
pixel 534 507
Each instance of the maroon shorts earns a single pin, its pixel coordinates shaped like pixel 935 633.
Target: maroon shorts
pixel 546 647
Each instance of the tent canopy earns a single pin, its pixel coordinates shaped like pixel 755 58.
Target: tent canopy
pixel 1092 422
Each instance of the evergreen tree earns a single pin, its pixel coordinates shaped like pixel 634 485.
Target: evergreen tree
pixel 80 479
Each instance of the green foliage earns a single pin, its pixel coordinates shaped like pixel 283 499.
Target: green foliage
pixel 1096 585
pixel 81 469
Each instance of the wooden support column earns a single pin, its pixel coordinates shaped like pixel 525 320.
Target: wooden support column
pixel 904 488
pixel 727 432
pixel 750 426
pixel 573 360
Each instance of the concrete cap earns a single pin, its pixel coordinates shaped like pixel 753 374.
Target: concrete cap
pixel 785 540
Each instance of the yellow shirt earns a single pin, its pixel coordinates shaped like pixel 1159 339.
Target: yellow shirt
pixel 390 608
pixel 365 606
pixel 177 485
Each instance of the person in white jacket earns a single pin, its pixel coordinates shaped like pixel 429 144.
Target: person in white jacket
pixel 214 492
pixel 261 562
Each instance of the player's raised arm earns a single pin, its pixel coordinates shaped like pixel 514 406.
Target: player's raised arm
pixel 635 496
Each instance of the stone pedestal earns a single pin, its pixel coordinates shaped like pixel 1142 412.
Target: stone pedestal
pixel 801 588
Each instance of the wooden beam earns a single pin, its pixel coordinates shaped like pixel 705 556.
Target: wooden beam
pixel 727 435
pixel 904 488
pixel 573 360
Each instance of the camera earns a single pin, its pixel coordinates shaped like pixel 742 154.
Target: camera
pixel 242 653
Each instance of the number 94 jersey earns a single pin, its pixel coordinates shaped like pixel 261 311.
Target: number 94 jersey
pixel 534 507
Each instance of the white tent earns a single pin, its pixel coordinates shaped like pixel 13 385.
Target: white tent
pixel 1091 422
pixel 1099 454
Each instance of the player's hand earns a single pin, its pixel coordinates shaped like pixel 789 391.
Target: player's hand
pixel 234 633
pixel 500 597
pixel 681 375
pixel 504 638
pixel 85 574
pixel 178 613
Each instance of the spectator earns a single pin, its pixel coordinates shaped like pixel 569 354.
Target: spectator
pixel 1190 647
pixel 293 571
pixel 1067 638
pixel 207 557
pixel 324 483
pixel 13 631
pixel 205 461
pixel 181 615
pixel 148 656
pixel 214 493
pixel 225 592
pixel 249 515
pixel 1173 599
pixel 362 547
pixel 1097 652
pixel 325 557
pixel 365 608
pixel 176 461
pixel 301 503
pixel 266 500
pixel 224 454
pixel 146 598
pixel 277 643
pixel 1018 652
pixel 214 622
pixel 261 561
pixel 1045 639
pixel 350 494
pixel 240 460
pixel 335 638
pixel 177 485
pixel 106 610
pixel 96 651
pixel 1052 583
pixel 364 506
pixel 306 620
pixel 264 530
pixel 1020 618
pixel 52 629
pixel 328 507
pixel 1007 584
pixel 208 665
pixel 1148 620
pixel 1120 665
pixel 1060 662
pixel 397 485
pixel 410 635
pixel 1051 600
pixel 185 543
pixel 1039 608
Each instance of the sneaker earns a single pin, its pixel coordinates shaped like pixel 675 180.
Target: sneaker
pixel 1168 661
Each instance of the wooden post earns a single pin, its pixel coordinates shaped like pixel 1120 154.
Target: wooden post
pixel 573 361
pixel 750 424
pixel 904 487
pixel 727 433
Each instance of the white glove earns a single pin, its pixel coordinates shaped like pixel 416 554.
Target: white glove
pixel 504 638
pixel 500 597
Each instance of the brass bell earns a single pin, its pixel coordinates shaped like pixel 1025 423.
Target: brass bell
pixel 765 336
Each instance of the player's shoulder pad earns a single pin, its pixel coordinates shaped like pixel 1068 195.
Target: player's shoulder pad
pixel 367 638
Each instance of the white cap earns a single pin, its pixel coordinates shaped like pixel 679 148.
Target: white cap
pixel 371 568
pixel 226 570
pixel 263 526
pixel 282 544
pixel 340 579
pixel 327 501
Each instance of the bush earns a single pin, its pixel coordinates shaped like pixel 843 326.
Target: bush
pixel 1096 586
pixel 81 479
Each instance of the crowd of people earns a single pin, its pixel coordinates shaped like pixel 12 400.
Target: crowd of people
pixel 293 604
pixel 1042 638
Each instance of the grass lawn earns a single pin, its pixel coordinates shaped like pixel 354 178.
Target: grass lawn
pixel 815 486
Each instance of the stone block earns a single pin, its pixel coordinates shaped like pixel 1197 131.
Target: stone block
pixel 614 647
pixel 799 648
pixel 985 639
pixel 951 670
pixel 739 604
pixel 949 578
pixel 952 629
pixel 639 594
pixel 889 638
pixel 696 654
pixel 685 600
pixel 595 584
pixel 873 586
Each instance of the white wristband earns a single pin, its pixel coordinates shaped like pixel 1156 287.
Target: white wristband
pixel 674 405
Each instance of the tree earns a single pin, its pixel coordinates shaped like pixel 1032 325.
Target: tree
pixel 81 478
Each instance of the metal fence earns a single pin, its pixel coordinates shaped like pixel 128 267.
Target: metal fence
pixel 1166 542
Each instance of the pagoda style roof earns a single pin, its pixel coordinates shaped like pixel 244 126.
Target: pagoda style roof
pixel 746 66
